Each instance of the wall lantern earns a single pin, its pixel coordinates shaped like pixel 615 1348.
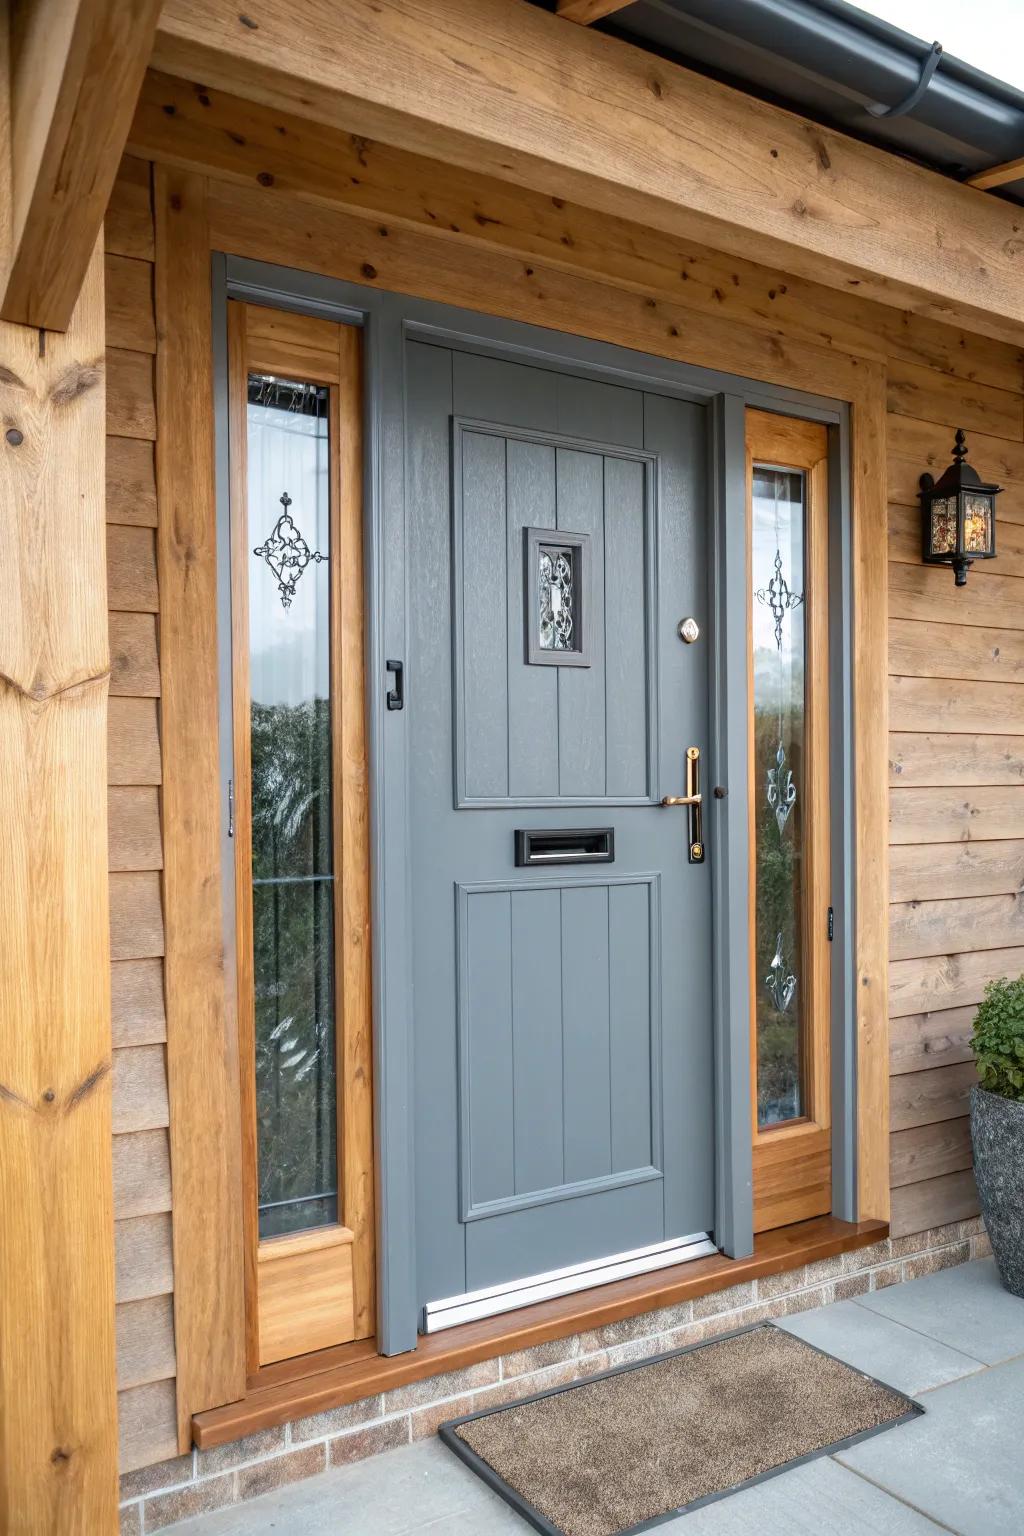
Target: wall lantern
pixel 958 515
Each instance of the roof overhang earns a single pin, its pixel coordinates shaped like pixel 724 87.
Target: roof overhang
pixel 502 87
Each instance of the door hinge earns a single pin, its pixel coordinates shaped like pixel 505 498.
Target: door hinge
pixel 231 807
pixel 831 925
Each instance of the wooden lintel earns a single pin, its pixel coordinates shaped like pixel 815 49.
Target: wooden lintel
pixel 75 73
pixel 998 175
pixel 586 11
pixel 504 88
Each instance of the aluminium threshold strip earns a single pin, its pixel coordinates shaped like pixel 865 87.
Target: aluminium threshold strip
pixel 452 1311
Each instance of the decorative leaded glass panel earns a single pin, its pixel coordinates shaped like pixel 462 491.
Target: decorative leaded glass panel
pixel 556 606
pixel 291 809
pixel 557 598
pixel 779 498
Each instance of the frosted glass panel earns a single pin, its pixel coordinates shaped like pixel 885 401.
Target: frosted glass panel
pixel 779 788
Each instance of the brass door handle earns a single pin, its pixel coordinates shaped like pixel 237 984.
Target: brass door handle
pixel 693 799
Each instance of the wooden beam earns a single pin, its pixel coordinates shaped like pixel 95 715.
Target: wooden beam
pixel 504 88
pixel 202 1047
pixel 75 71
pixel 998 175
pixel 285 157
pixel 58 1428
pixel 586 11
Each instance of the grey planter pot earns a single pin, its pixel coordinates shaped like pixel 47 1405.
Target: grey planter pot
pixel 997 1134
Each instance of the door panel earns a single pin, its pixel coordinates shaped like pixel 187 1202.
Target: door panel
pixel 540 733
pixel 563 1049
pixel 558 1039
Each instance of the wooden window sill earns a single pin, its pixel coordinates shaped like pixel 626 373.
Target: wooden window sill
pixel 352 1372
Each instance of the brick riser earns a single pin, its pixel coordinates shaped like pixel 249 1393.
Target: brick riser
pixel 159 1496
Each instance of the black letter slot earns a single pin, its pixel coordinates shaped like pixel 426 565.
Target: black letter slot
pixel 588 845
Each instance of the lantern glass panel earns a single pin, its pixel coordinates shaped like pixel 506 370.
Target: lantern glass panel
pixel 977 525
pixel 943 526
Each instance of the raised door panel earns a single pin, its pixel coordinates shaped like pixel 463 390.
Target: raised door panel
pixel 559 1040
pixel 529 734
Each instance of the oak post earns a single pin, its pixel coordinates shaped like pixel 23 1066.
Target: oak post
pixel 58 1425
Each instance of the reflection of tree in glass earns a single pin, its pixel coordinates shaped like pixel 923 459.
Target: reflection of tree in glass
pixel 778 903
pixel 294 964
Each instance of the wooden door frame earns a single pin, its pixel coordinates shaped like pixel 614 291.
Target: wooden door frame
pixel 329 354
pixel 345 246
pixel 793 1161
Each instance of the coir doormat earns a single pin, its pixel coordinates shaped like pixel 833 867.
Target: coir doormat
pixel 623 1451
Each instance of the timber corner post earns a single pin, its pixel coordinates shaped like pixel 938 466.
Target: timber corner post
pixel 58 1429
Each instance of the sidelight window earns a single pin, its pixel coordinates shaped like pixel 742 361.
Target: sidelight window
pixel 789 817
pixel 290 789
pixel 779 614
pixel 300 831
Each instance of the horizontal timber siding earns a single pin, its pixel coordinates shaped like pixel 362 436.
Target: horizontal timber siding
pixel 142 1183
pixel 956 771
pixel 956 659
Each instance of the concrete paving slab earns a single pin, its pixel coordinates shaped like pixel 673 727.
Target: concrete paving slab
pixel 820 1498
pixel 961 1462
pixel 965 1308
pixel 880 1347
pixel 421 1489
pixel 424 1490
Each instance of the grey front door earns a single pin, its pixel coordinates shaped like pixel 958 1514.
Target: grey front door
pixel 563 1035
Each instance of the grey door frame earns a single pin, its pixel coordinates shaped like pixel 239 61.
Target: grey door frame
pixel 388 320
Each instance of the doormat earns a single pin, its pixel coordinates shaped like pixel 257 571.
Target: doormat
pixel 625 1450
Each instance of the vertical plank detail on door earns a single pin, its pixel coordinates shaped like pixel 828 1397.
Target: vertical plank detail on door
pixel 58 1427
pixel 201 1043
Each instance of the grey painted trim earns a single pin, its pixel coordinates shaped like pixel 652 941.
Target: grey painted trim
pixel 842 777
pixel 390 319
pixel 729 828
pixel 391 916
pixel 467 1209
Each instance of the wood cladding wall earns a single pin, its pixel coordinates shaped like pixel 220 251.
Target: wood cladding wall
pixel 956 774
pixel 956 658
pixel 142 1181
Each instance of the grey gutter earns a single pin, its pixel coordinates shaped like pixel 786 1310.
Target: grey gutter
pixel 831 61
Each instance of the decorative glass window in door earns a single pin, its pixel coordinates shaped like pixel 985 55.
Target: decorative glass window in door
pixel 779 788
pixel 555 583
pixel 289 663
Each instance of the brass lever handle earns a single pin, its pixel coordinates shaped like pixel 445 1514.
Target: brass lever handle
pixel 694 800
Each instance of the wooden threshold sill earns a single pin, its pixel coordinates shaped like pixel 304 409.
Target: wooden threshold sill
pixel 332 1385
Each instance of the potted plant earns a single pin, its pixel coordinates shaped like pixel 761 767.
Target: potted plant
pixel 997 1124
